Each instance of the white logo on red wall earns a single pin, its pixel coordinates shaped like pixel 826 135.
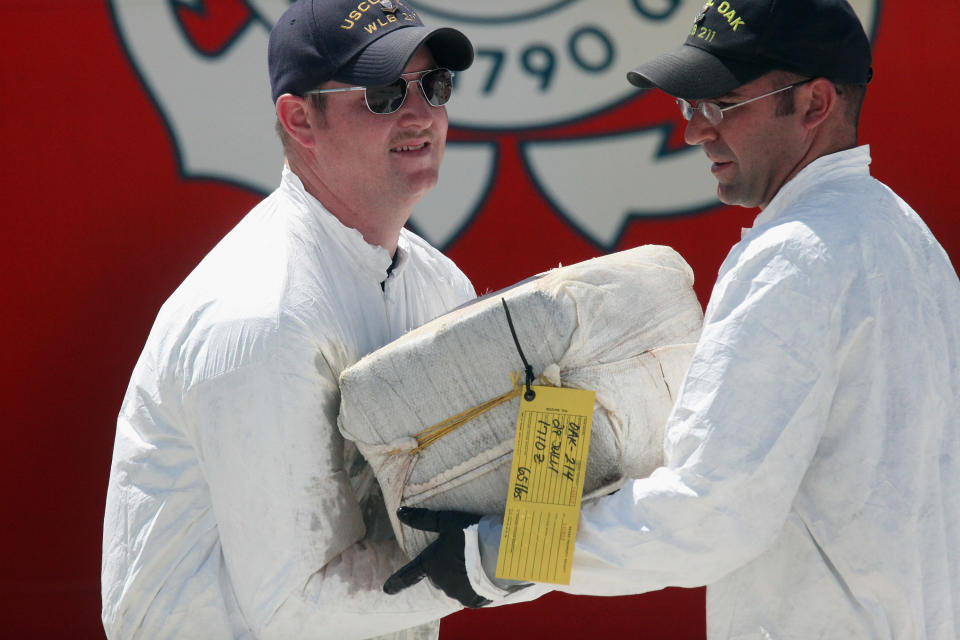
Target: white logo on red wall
pixel 543 69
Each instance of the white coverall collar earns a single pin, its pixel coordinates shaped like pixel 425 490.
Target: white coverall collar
pixel 854 161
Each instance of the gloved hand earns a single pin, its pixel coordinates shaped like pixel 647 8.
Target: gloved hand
pixel 443 560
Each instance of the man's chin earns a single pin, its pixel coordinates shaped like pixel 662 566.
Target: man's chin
pixel 730 195
pixel 725 196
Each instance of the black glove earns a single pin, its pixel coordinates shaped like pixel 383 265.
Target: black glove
pixel 442 561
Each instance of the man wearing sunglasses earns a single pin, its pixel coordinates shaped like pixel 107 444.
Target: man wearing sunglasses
pixel 235 509
pixel 812 460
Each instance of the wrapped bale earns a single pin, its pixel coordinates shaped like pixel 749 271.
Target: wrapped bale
pixel 623 325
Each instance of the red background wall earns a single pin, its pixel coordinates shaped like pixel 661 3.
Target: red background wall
pixel 100 227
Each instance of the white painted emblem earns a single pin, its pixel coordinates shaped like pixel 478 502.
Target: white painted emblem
pixel 540 63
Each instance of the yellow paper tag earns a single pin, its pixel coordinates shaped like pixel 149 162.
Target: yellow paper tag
pixel 546 485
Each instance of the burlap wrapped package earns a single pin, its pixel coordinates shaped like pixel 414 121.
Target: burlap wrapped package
pixel 623 325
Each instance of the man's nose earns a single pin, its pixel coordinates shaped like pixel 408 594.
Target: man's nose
pixel 416 104
pixel 699 130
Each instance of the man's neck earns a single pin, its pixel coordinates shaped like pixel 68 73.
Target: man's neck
pixel 378 222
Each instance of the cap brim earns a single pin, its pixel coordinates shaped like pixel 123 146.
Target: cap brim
pixel 692 73
pixel 384 59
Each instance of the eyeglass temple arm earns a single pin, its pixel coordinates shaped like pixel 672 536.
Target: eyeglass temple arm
pixel 316 91
pixel 766 95
pixel 420 74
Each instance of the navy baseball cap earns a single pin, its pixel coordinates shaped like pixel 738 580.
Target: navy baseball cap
pixel 358 42
pixel 734 42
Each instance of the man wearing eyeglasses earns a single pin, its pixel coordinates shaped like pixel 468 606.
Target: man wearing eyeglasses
pixel 235 509
pixel 812 460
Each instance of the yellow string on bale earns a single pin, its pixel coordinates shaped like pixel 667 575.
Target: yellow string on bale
pixel 431 434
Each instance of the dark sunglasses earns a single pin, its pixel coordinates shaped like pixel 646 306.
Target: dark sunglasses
pixel 436 85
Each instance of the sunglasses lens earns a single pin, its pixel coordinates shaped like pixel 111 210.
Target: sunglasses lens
pixel 387 98
pixel 437 86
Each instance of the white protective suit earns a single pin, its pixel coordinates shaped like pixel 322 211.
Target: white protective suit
pixel 812 475
pixel 233 510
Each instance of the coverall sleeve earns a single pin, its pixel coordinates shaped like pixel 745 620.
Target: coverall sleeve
pixel 289 523
pixel 746 425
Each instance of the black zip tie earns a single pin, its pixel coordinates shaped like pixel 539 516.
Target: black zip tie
pixel 529 394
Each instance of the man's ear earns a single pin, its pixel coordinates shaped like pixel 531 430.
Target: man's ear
pixel 820 104
pixel 294 115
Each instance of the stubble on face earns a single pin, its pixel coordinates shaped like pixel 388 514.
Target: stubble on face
pixel 755 149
